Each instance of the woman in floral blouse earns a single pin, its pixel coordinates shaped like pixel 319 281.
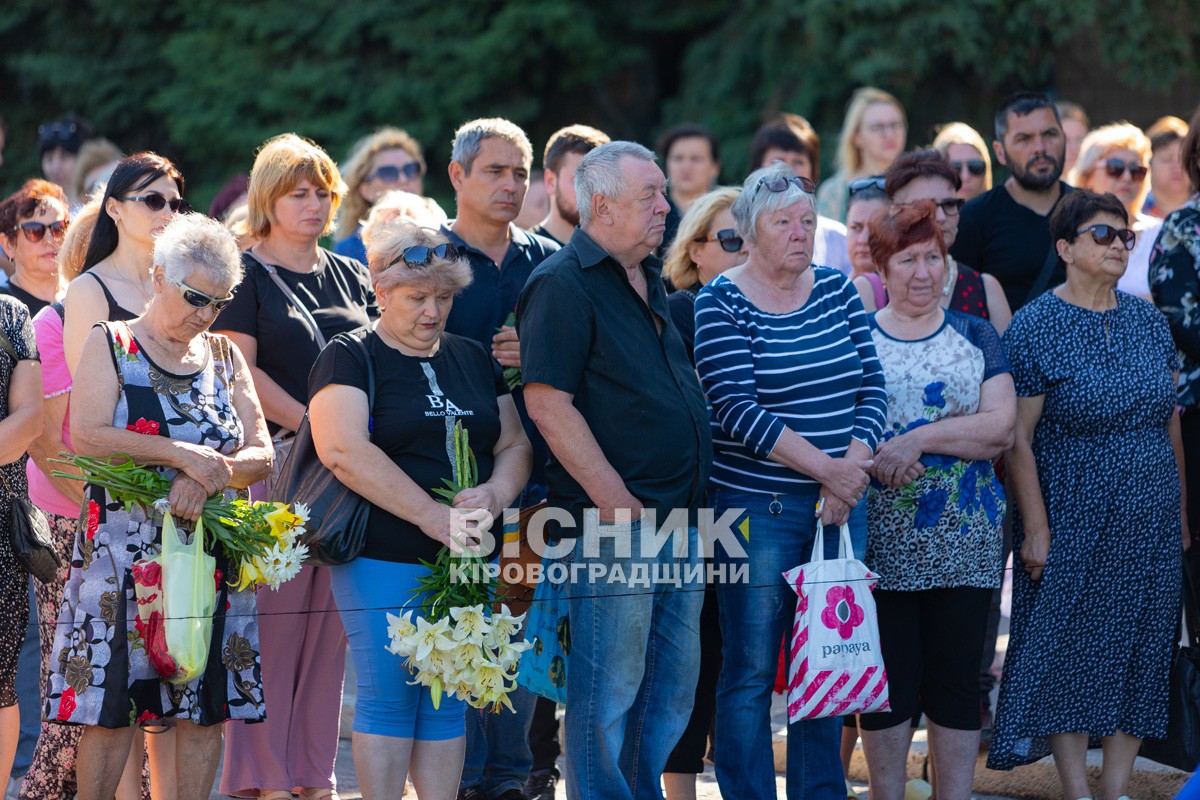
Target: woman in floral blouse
pixel 1175 287
pixel 935 508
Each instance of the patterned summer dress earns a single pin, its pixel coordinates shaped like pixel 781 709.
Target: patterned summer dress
pixel 101 675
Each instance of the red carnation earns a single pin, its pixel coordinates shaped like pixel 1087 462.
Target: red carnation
pixel 66 705
pixel 149 427
pixel 93 519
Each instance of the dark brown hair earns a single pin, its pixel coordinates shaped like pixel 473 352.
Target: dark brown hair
pixel 27 201
pixel 919 164
pixel 791 133
pixel 1190 151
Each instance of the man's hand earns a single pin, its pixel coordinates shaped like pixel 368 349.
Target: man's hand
pixel 506 348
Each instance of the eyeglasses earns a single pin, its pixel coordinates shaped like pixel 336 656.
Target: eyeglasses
pixel 156 202
pixel 861 184
pixel 951 206
pixel 882 127
pixel 726 237
pixel 392 174
pixel 1115 168
pixel 197 299
pixel 419 256
pixel 36 231
pixel 1104 235
pixel 780 183
pixel 975 166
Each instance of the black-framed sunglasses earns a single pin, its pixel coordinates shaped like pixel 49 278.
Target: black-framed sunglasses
pixel 392 174
pixel 36 231
pixel 198 299
pixel 1104 234
pixel 58 132
pixel 1115 168
pixel 951 205
pixel 156 202
pixel 418 256
pixel 975 166
pixel 780 183
pixel 726 237
pixel 872 182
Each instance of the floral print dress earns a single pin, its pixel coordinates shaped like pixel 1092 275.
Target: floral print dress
pixel 101 674
pixel 1175 287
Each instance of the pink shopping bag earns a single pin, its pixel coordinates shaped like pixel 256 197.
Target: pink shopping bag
pixel 836 667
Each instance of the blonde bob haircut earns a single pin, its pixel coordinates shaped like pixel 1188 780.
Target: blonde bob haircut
pixel 849 157
pixel 282 162
pixel 389 270
pixel 1102 141
pixel 79 233
pixel 962 133
pixel 679 266
pixel 358 166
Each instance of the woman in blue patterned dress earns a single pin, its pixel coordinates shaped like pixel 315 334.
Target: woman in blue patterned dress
pixel 163 390
pixel 935 511
pixel 1095 471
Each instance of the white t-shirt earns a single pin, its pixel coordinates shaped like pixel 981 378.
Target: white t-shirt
pixel 829 249
pixel 1136 279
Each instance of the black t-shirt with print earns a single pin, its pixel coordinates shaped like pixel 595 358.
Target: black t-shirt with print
pixel 417 401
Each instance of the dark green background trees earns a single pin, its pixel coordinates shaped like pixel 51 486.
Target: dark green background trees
pixel 205 82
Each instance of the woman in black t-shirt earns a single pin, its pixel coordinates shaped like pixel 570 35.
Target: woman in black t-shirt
pixel 295 296
pixel 394 454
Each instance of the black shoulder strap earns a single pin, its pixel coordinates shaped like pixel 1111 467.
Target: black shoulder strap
pixel 1043 278
pixel 112 301
pixel 7 346
pixel 59 309
pixel 292 298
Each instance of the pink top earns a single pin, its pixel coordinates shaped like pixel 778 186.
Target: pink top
pixel 873 278
pixel 56 380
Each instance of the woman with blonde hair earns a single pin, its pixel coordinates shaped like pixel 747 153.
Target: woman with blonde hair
pixel 399 204
pixel 1115 159
pixel 296 296
pixel 873 134
pixel 95 163
pixel 966 151
pixel 387 159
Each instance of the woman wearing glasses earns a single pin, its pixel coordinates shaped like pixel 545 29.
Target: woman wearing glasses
pixel 1116 158
pixel 967 153
pixel 33 221
pixel 873 134
pixel 394 454
pixel 798 401
pixel 295 297
pixel 164 391
pixel 1095 470
pixel 387 159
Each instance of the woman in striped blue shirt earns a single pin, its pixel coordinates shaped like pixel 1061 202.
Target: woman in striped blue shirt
pixel 798 404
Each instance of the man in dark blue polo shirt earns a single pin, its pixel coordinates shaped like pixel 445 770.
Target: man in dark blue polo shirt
pixel 610 387
pixel 489 167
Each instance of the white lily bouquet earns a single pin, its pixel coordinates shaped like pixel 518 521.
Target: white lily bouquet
pixel 456 646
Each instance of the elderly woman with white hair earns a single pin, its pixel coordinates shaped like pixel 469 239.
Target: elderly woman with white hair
pixel 1116 158
pixel 177 398
pixel 394 454
pixel 798 404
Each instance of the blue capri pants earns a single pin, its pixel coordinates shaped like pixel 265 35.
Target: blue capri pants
pixel 365 590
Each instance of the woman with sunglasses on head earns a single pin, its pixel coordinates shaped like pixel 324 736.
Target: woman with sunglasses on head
pixel 394 454
pixel 1116 158
pixel 33 221
pixel 386 160
pixel 967 153
pixel 295 297
pixel 873 134
pixel 1097 545
pixel 785 355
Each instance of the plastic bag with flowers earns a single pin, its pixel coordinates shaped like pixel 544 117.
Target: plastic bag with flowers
pixel 457 645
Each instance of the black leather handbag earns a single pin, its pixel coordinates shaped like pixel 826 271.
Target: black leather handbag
pixel 337 523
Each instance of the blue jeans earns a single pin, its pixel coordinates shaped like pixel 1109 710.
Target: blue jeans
pixel 635 656
pixel 756 616
pixel 498 756
pixel 29 691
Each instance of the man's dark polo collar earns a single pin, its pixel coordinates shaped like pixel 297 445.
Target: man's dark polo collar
pixel 517 238
pixel 590 253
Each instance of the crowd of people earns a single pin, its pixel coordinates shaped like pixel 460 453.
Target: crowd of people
pixel 956 372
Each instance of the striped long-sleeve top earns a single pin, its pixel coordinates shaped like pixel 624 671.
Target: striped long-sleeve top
pixel 813 370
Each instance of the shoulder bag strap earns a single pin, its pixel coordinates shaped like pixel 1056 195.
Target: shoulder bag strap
pixel 1043 278
pixel 291 296
pixel 7 346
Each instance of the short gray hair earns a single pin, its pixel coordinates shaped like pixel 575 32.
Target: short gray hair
pixel 194 240
pixel 755 200
pixel 600 173
pixel 468 140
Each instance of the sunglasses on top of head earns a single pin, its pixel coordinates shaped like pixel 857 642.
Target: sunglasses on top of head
pixel 36 231
pixel 392 174
pixel 727 238
pixel 779 183
pixel 975 166
pixel 862 184
pixel 156 202
pixel 198 299
pixel 1104 235
pixel 1115 168
pixel 419 256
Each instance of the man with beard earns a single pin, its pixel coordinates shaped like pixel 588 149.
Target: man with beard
pixel 564 151
pixel 1005 231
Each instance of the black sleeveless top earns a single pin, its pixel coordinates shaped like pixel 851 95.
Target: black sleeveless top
pixel 116 312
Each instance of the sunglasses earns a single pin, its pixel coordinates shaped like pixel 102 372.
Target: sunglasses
pixel 419 255
pixel 1104 235
pixel 390 174
pixel 975 166
pixel 780 184
pixel 36 231
pixel 862 184
pixel 198 299
pixel 1115 168
pixel 951 206
pixel 726 237
pixel 156 202
pixel 57 132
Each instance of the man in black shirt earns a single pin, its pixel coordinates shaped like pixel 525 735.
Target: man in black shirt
pixel 1005 232
pixel 564 150
pixel 610 387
